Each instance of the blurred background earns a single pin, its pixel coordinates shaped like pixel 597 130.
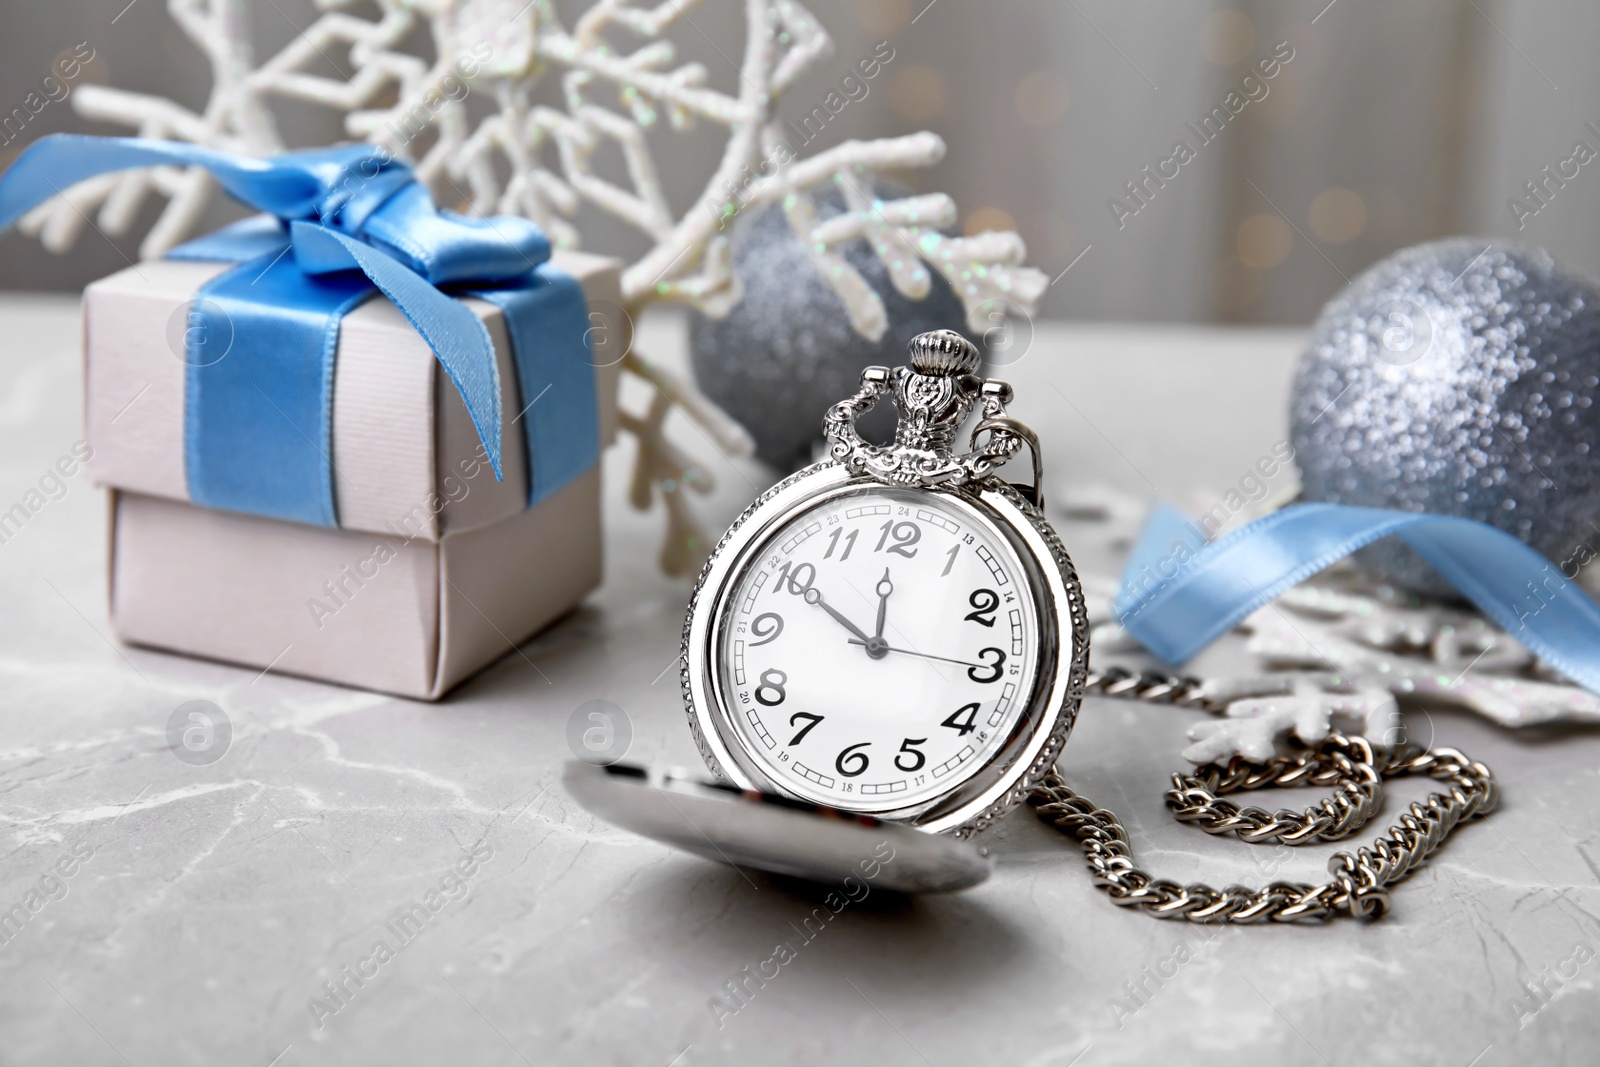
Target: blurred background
pixel 1382 125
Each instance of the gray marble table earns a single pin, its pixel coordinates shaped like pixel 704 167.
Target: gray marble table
pixel 194 914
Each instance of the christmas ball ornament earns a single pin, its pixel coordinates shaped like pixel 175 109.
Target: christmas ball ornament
pixel 787 351
pixel 1457 377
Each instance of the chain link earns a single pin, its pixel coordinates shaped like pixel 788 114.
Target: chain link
pixel 1360 880
pixel 1151 687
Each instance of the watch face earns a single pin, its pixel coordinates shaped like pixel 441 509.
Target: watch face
pixel 877 649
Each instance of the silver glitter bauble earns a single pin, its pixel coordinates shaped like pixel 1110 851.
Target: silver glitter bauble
pixel 787 352
pixel 1457 377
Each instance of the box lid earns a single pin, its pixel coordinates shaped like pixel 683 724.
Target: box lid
pixel 405 456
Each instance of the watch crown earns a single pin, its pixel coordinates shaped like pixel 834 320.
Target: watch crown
pixel 943 352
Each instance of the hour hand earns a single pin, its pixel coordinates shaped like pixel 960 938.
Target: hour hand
pixel 885 587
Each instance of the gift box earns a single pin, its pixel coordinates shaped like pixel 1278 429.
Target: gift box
pixel 436 568
pixel 354 438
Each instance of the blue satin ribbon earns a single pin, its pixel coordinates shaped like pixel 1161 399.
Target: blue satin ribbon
pixel 549 323
pixel 262 337
pixel 1179 594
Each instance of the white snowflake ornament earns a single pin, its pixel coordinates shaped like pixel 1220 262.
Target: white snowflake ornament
pixel 1264 712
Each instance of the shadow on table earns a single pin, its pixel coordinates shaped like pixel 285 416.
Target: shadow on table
pixel 931 944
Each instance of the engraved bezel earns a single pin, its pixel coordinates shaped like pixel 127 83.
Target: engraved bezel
pixel 1036 739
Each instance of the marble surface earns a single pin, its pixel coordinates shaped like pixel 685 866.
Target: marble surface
pixel 207 905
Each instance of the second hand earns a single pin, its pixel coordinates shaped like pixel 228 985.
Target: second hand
pixel 925 655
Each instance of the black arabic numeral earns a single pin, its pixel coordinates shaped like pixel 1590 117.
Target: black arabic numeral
pixel 776 687
pixel 985 601
pixel 972 672
pixel 806 729
pixel 774 627
pixel 956 722
pixel 908 747
pixel 850 755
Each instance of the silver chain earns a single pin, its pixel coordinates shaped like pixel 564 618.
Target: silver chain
pixel 1360 880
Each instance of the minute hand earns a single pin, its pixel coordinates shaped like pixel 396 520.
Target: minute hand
pixel 925 655
pixel 814 596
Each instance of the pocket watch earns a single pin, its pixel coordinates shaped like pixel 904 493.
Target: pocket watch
pixel 893 640
pixel 895 631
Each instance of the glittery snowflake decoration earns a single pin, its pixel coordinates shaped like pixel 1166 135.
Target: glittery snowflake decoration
pixel 1360 631
pixel 1358 655
pixel 1264 711
pixel 1342 650
pixel 620 81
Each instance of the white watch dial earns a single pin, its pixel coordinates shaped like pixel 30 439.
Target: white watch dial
pixel 878 649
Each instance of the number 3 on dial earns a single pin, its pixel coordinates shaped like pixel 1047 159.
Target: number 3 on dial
pixel 972 672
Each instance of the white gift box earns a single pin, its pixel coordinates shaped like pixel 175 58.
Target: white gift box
pixel 436 569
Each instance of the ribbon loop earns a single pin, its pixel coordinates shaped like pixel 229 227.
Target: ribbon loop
pixel 448 249
pixel 295 185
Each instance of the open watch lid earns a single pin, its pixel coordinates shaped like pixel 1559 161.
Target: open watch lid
pixel 772 833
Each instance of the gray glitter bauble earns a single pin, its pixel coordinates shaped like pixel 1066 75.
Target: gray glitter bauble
pixel 1457 377
pixel 787 351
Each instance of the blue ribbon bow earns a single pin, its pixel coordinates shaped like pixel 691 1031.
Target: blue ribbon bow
pixel 259 412
pixel 1179 593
